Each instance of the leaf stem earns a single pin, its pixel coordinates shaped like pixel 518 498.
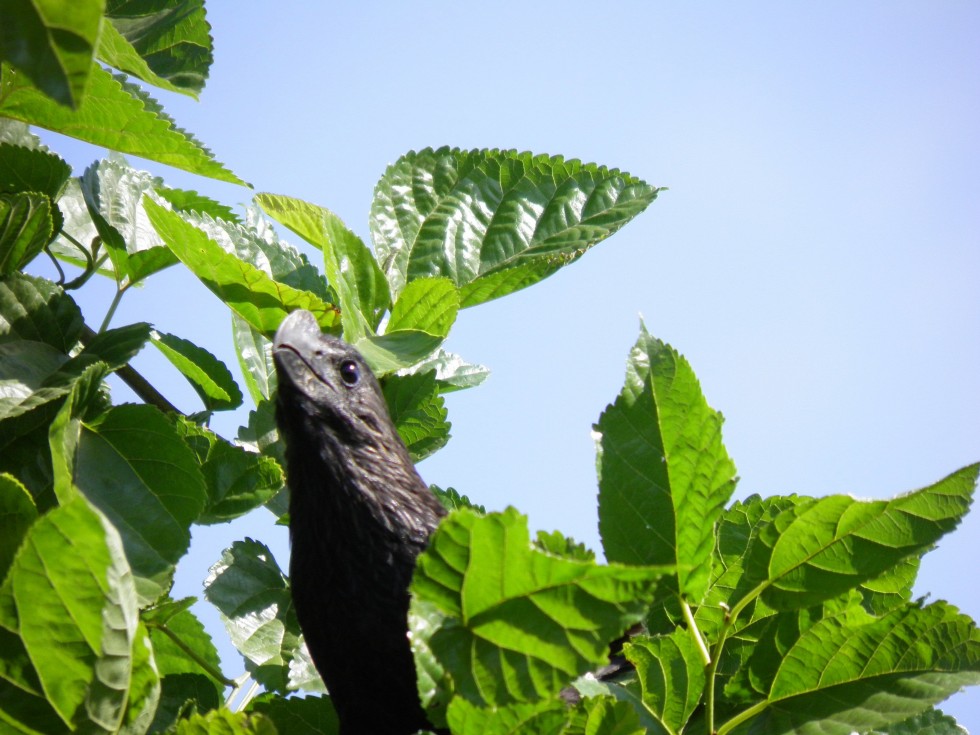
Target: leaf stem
pixel 193 655
pixel 692 626
pixel 742 716
pixel 120 290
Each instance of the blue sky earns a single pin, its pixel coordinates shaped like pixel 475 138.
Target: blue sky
pixel 816 257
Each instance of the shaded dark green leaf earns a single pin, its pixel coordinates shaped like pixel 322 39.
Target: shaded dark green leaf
pixel 31 169
pixel 298 716
pixel 17 513
pixel 172 37
pixel 209 377
pixel 36 309
pixel 53 43
pixel 418 412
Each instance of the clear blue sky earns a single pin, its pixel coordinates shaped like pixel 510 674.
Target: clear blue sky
pixel 816 257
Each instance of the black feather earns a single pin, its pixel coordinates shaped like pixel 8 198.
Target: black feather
pixel 359 516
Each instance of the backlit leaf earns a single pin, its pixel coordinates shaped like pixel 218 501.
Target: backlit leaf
pixel 664 474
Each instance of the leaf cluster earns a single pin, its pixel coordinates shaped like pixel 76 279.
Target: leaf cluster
pixel 769 615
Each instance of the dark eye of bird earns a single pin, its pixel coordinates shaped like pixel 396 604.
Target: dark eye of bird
pixel 349 372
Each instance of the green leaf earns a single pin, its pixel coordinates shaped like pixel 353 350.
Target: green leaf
pixel 119 53
pixel 429 305
pixel 298 716
pixel 396 350
pixel 453 500
pixel 255 359
pixel 854 672
pixel 180 696
pixel 26 226
pixel 664 474
pixel 350 266
pixel 209 377
pixel 558 544
pixel 820 548
pixel 144 686
pixel 495 221
pixel 115 114
pixel 223 721
pixel 69 598
pixel 418 412
pixel 237 480
pixel 113 193
pixel 252 595
pixel 131 463
pixel 36 309
pixel 172 37
pixel 545 717
pixel 452 372
pixel 505 622
pixel 31 169
pixel 672 676
pixel 171 658
pixel 605 716
pixel 53 43
pixel 17 513
pixel 930 722
pixel 257 243
pixel 248 291
pixel 187 200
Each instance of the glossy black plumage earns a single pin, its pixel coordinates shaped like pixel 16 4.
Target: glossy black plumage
pixel 359 516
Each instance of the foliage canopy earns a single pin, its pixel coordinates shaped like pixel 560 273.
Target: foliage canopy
pixel 769 615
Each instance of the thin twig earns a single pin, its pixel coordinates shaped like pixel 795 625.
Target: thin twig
pixel 140 385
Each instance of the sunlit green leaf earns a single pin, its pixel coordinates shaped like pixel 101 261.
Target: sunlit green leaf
pixel 69 599
pixel 664 474
pixel 255 359
pixel 855 672
pixel 248 291
pixel 349 264
pixel 672 676
pixel 115 114
pixel 131 463
pixel 119 53
pixel 426 304
pixel 546 717
pixel 26 226
pixel 508 623
pixel 252 595
pixel 223 721
pixel 495 221
pixel 819 548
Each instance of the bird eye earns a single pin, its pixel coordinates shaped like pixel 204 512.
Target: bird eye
pixel 349 372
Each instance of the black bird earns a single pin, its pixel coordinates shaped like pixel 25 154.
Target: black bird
pixel 359 515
